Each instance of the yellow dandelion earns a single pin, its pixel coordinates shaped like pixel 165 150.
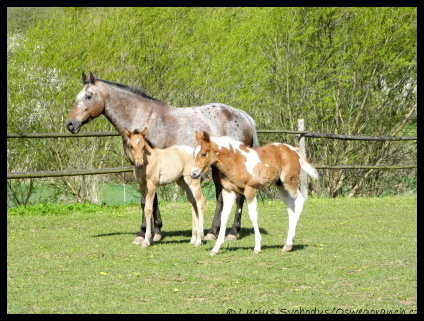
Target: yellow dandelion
pixel 176 290
pixel 103 273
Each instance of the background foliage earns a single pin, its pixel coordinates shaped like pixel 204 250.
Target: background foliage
pixel 344 70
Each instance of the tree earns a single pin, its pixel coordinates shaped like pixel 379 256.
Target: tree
pixel 344 70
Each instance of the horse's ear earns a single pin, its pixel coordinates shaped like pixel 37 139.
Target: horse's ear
pixel 84 78
pixel 127 133
pixel 144 132
pixel 206 137
pixel 199 136
pixel 92 79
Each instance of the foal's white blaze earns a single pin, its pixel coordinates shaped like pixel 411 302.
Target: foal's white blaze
pixel 196 151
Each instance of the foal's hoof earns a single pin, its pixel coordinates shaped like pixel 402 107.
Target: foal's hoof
pixel 256 251
pixel 138 240
pixel 157 237
pixel 196 241
pixel 231 237
pixel 210 237
pixel 212 253
pixel 287 248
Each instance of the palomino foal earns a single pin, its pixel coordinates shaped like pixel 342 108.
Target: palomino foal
pixel 155 167
pixel 244 169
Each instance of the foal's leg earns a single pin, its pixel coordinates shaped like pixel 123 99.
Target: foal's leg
pixel 235 229
pixel 157 222
pixel 228 200
pixel 252 206
pixel 148 209
pixel 294 209
pixel 156 214
pixel 197 207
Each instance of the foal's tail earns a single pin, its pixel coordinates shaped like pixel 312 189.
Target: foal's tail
pixel 307 167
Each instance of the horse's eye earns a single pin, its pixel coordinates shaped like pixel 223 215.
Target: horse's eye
pixel 88 97
pixel 203 155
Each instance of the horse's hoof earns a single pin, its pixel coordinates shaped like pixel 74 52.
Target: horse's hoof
pixel 231 237
pixel 145 244
pixel 212 253
pixel 210 237
pixel 287 248
pixel 256 251
pixel 138 240
pixel 157 237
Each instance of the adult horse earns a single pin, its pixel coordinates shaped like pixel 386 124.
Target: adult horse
pixel 129 107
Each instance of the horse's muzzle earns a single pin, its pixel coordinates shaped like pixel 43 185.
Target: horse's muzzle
pixel 73 125
pixel 195 173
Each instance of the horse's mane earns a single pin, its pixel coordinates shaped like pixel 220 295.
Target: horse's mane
pixel 132 89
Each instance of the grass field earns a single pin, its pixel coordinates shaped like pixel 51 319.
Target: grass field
pixel 351 256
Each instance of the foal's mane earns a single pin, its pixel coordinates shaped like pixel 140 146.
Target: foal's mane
pixel 132 89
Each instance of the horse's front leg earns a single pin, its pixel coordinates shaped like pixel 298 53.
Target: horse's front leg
pixel 157 220
pixel 228 200
pixel 140 236
pixel 148 209
pixel 213 231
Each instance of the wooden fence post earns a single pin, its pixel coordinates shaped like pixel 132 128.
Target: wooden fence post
pixel 303 177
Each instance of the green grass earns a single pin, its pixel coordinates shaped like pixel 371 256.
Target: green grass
pixel 350 254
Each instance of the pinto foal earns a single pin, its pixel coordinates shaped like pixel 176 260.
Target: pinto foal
pixel 245 169
pixel 155 167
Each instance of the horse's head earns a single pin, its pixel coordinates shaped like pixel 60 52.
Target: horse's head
pixel 137 144
pixel 89 104
pixel 203 155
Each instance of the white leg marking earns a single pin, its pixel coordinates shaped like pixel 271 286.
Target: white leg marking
pixel 228 200
pixel 294 209
pixel 253 214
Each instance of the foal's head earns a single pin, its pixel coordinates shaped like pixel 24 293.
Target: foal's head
pixel 137 143
pixel 203 155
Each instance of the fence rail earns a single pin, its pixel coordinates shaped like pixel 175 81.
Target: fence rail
pixel 301 133
pixel 263 131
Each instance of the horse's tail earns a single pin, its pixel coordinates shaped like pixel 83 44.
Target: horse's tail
pixel 255 140
pixel 308 167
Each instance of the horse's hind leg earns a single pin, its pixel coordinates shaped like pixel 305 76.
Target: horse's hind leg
pixel 294 209
pixel 252 206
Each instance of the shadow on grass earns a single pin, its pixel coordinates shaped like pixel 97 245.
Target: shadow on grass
pixel 186 235
pixel 296 247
